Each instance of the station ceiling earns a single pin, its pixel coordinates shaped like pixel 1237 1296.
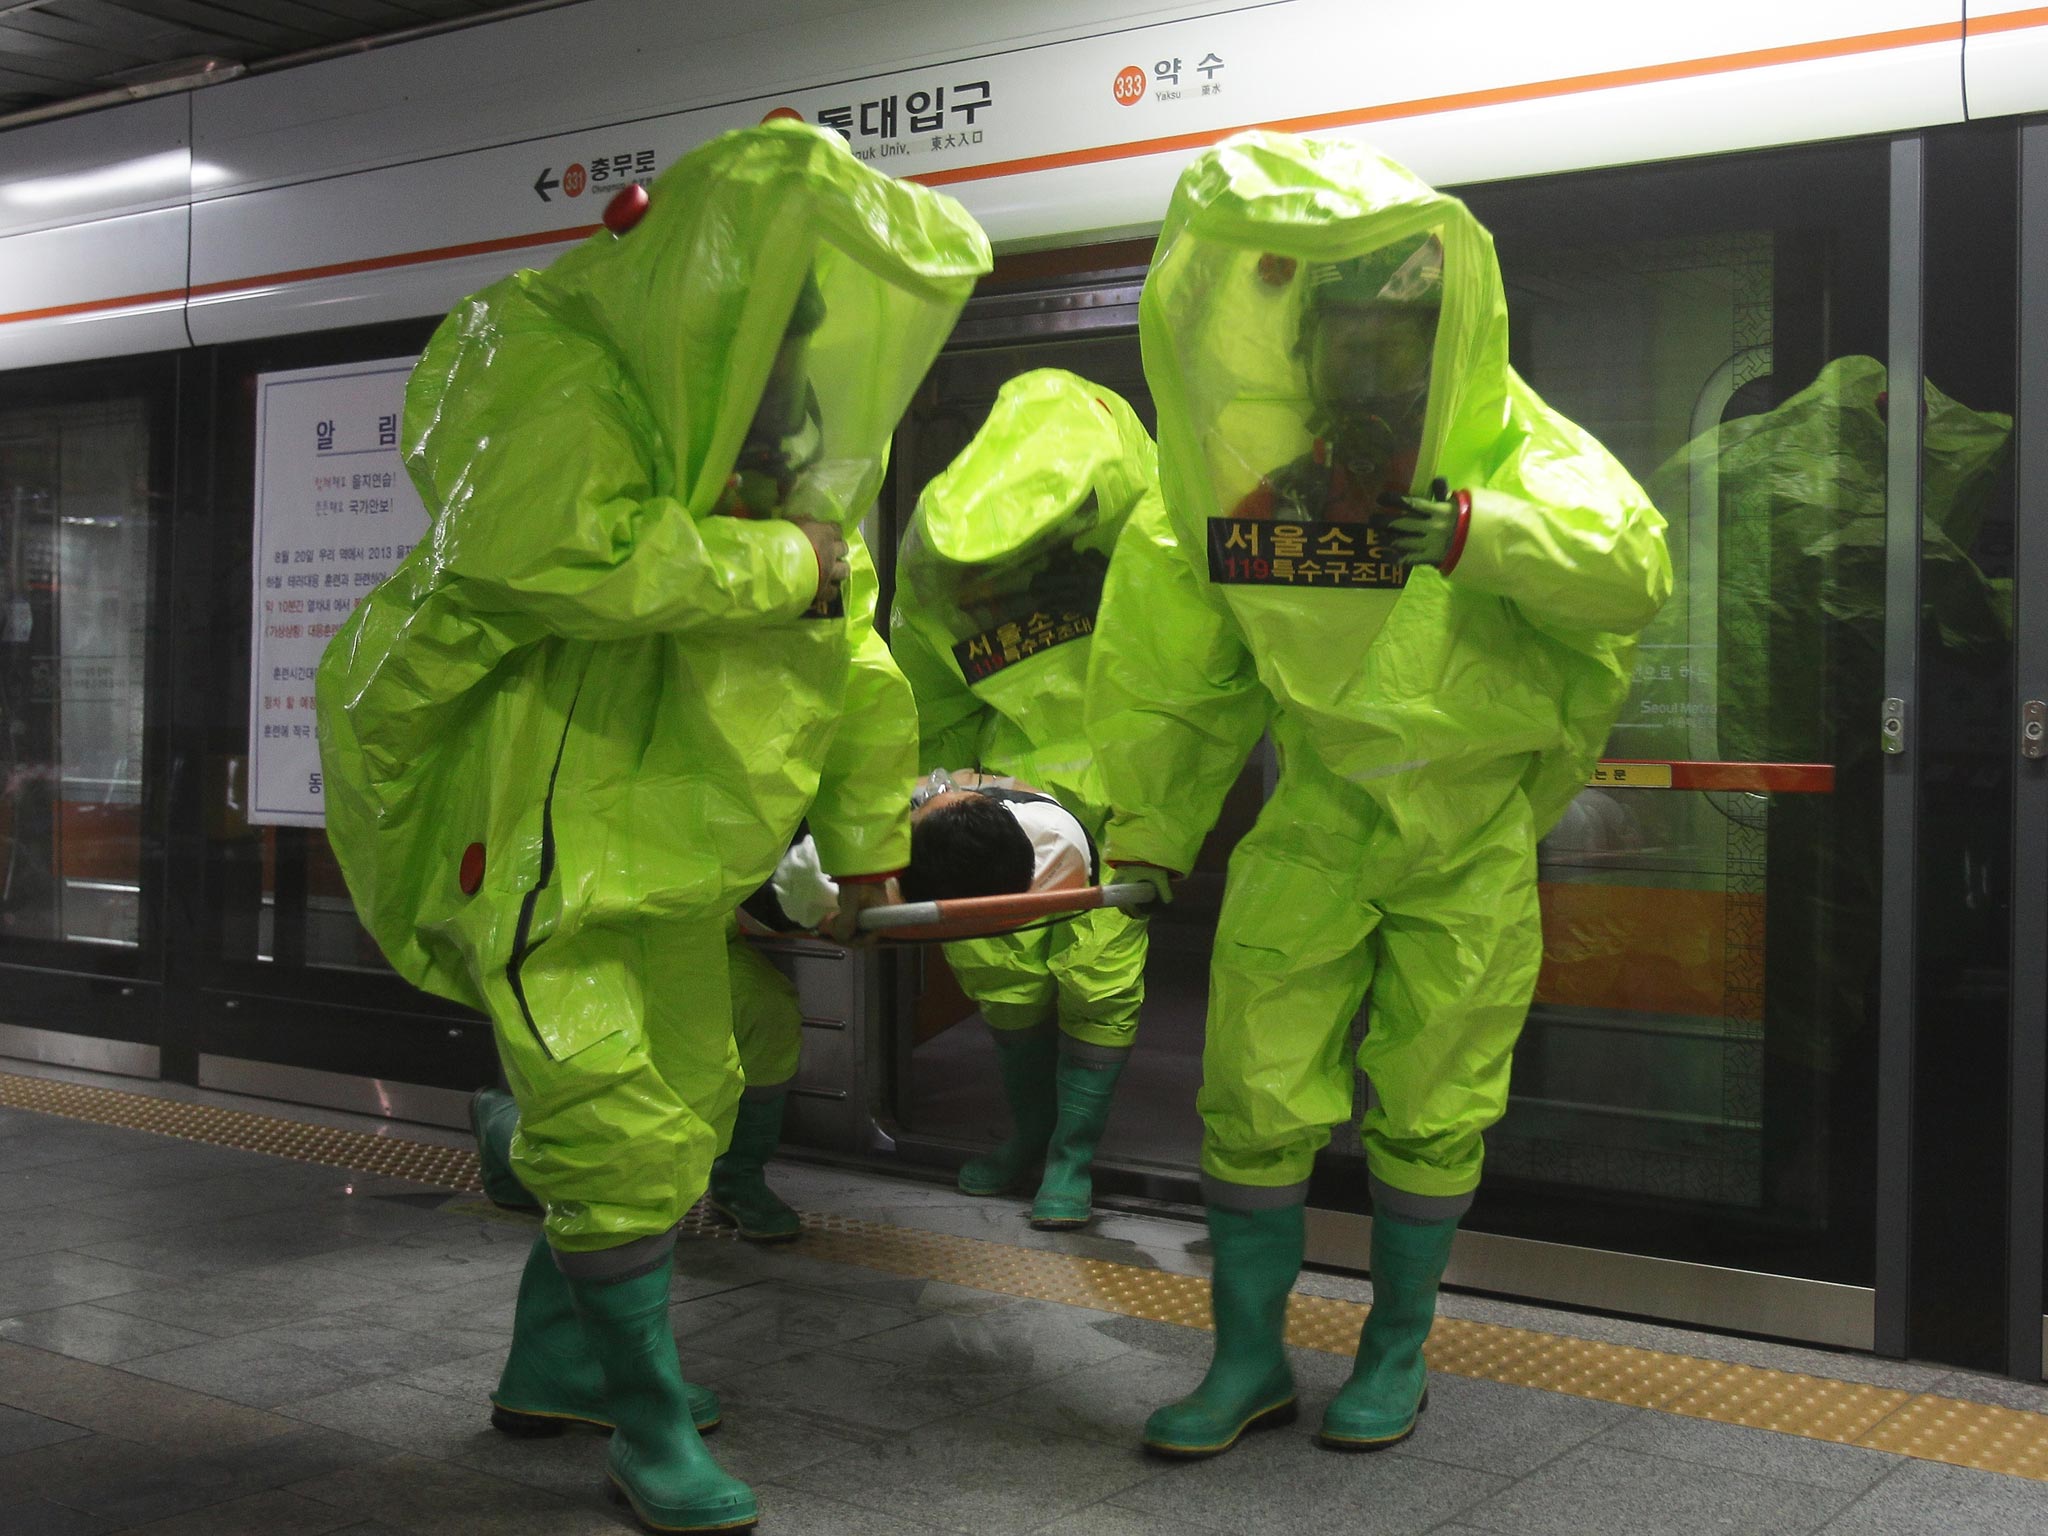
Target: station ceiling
pixel 62 56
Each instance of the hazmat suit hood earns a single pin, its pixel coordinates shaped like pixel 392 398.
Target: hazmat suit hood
pixel 598 697
pixel 1000 575
pixel 1273 588
pixel 1050 443
pixel 737 239
pixel 1258 230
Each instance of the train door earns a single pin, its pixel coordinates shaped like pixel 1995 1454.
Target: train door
pixel 1692 1124
pixel 86 464
pixel 1722 1111
pixel 945 1095
pixel 1944 1240
pixel 278 989
pixel 1697 1083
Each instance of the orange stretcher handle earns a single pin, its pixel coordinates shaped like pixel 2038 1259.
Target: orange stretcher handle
pixel 973 917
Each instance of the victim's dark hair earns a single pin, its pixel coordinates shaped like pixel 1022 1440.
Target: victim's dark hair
pixel 969 846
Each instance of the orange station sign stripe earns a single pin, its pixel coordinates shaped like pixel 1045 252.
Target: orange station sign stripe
pixel 1461 101
pixel 1539 90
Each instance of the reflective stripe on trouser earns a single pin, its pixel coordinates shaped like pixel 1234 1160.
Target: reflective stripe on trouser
pixel 616 1138
pixel 1324 903
pixel 1088 973
pixel 767 1023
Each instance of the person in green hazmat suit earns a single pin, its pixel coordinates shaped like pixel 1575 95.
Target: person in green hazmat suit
pixel 767 1026
pixel 581 720
pixel 998 580
pixel 1379 544
pixel 1021 840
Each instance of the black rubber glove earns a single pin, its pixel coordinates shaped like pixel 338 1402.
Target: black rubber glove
pixel 1424 535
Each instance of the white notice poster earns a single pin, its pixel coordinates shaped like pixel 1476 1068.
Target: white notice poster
pixel 335 514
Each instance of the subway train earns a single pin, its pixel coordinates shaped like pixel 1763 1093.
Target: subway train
pixel 1787 1070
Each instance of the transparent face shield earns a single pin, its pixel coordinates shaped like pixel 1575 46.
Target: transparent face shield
pixel 850 353
pixel 1001 611
pixel 785 437
pixel 815 446
pixel 788 403
pixel 1307 382
pixel 1369 360
pixel 934 784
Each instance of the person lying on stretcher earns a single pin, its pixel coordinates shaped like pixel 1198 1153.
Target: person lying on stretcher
pixel 971 834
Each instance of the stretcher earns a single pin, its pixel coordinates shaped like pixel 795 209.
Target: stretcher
pixel 975 917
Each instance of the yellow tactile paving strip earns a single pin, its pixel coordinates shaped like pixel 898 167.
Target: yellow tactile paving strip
pixel 445 1167
pixel 1918 1425
pixel 1812 1407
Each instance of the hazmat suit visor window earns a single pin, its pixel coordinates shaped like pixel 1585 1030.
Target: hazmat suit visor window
pixel 787 399
pixel 1042 593
pixel 1368 359
pixel 837 365
pixel 1306 381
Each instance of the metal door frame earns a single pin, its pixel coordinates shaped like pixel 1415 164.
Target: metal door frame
pixel 1896 719
pixel 2026 1327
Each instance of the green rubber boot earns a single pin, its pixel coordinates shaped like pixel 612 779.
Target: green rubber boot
pixel 551 1379
pixel 1028 1059
pixel 657 1462
pixel 1250 1384
pixel 1390 1384
pixel 739 1187
pixel 493 1117
pixel 1082 1091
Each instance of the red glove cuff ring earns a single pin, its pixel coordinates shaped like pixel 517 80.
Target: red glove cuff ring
pixel 1463 502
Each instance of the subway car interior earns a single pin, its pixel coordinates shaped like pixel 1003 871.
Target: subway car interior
pixel 1777 1111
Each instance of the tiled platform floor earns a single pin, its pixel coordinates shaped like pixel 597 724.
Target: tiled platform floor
pixel 202 1342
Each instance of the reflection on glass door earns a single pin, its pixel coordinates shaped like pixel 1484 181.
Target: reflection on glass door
pixel 305 915
pixel 75 531
pixel 1708 1004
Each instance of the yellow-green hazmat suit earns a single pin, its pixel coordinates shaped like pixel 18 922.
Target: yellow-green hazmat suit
pixel 998 580
pixel 582 719
pixel 1430 723
pixel 767 1020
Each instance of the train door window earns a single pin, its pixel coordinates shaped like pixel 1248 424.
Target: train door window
pixel 81 479
pixel 279 894
pixel 273 922
pixel 1696 1078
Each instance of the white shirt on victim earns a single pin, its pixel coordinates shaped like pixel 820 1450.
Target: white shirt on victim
pixel 1059 849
